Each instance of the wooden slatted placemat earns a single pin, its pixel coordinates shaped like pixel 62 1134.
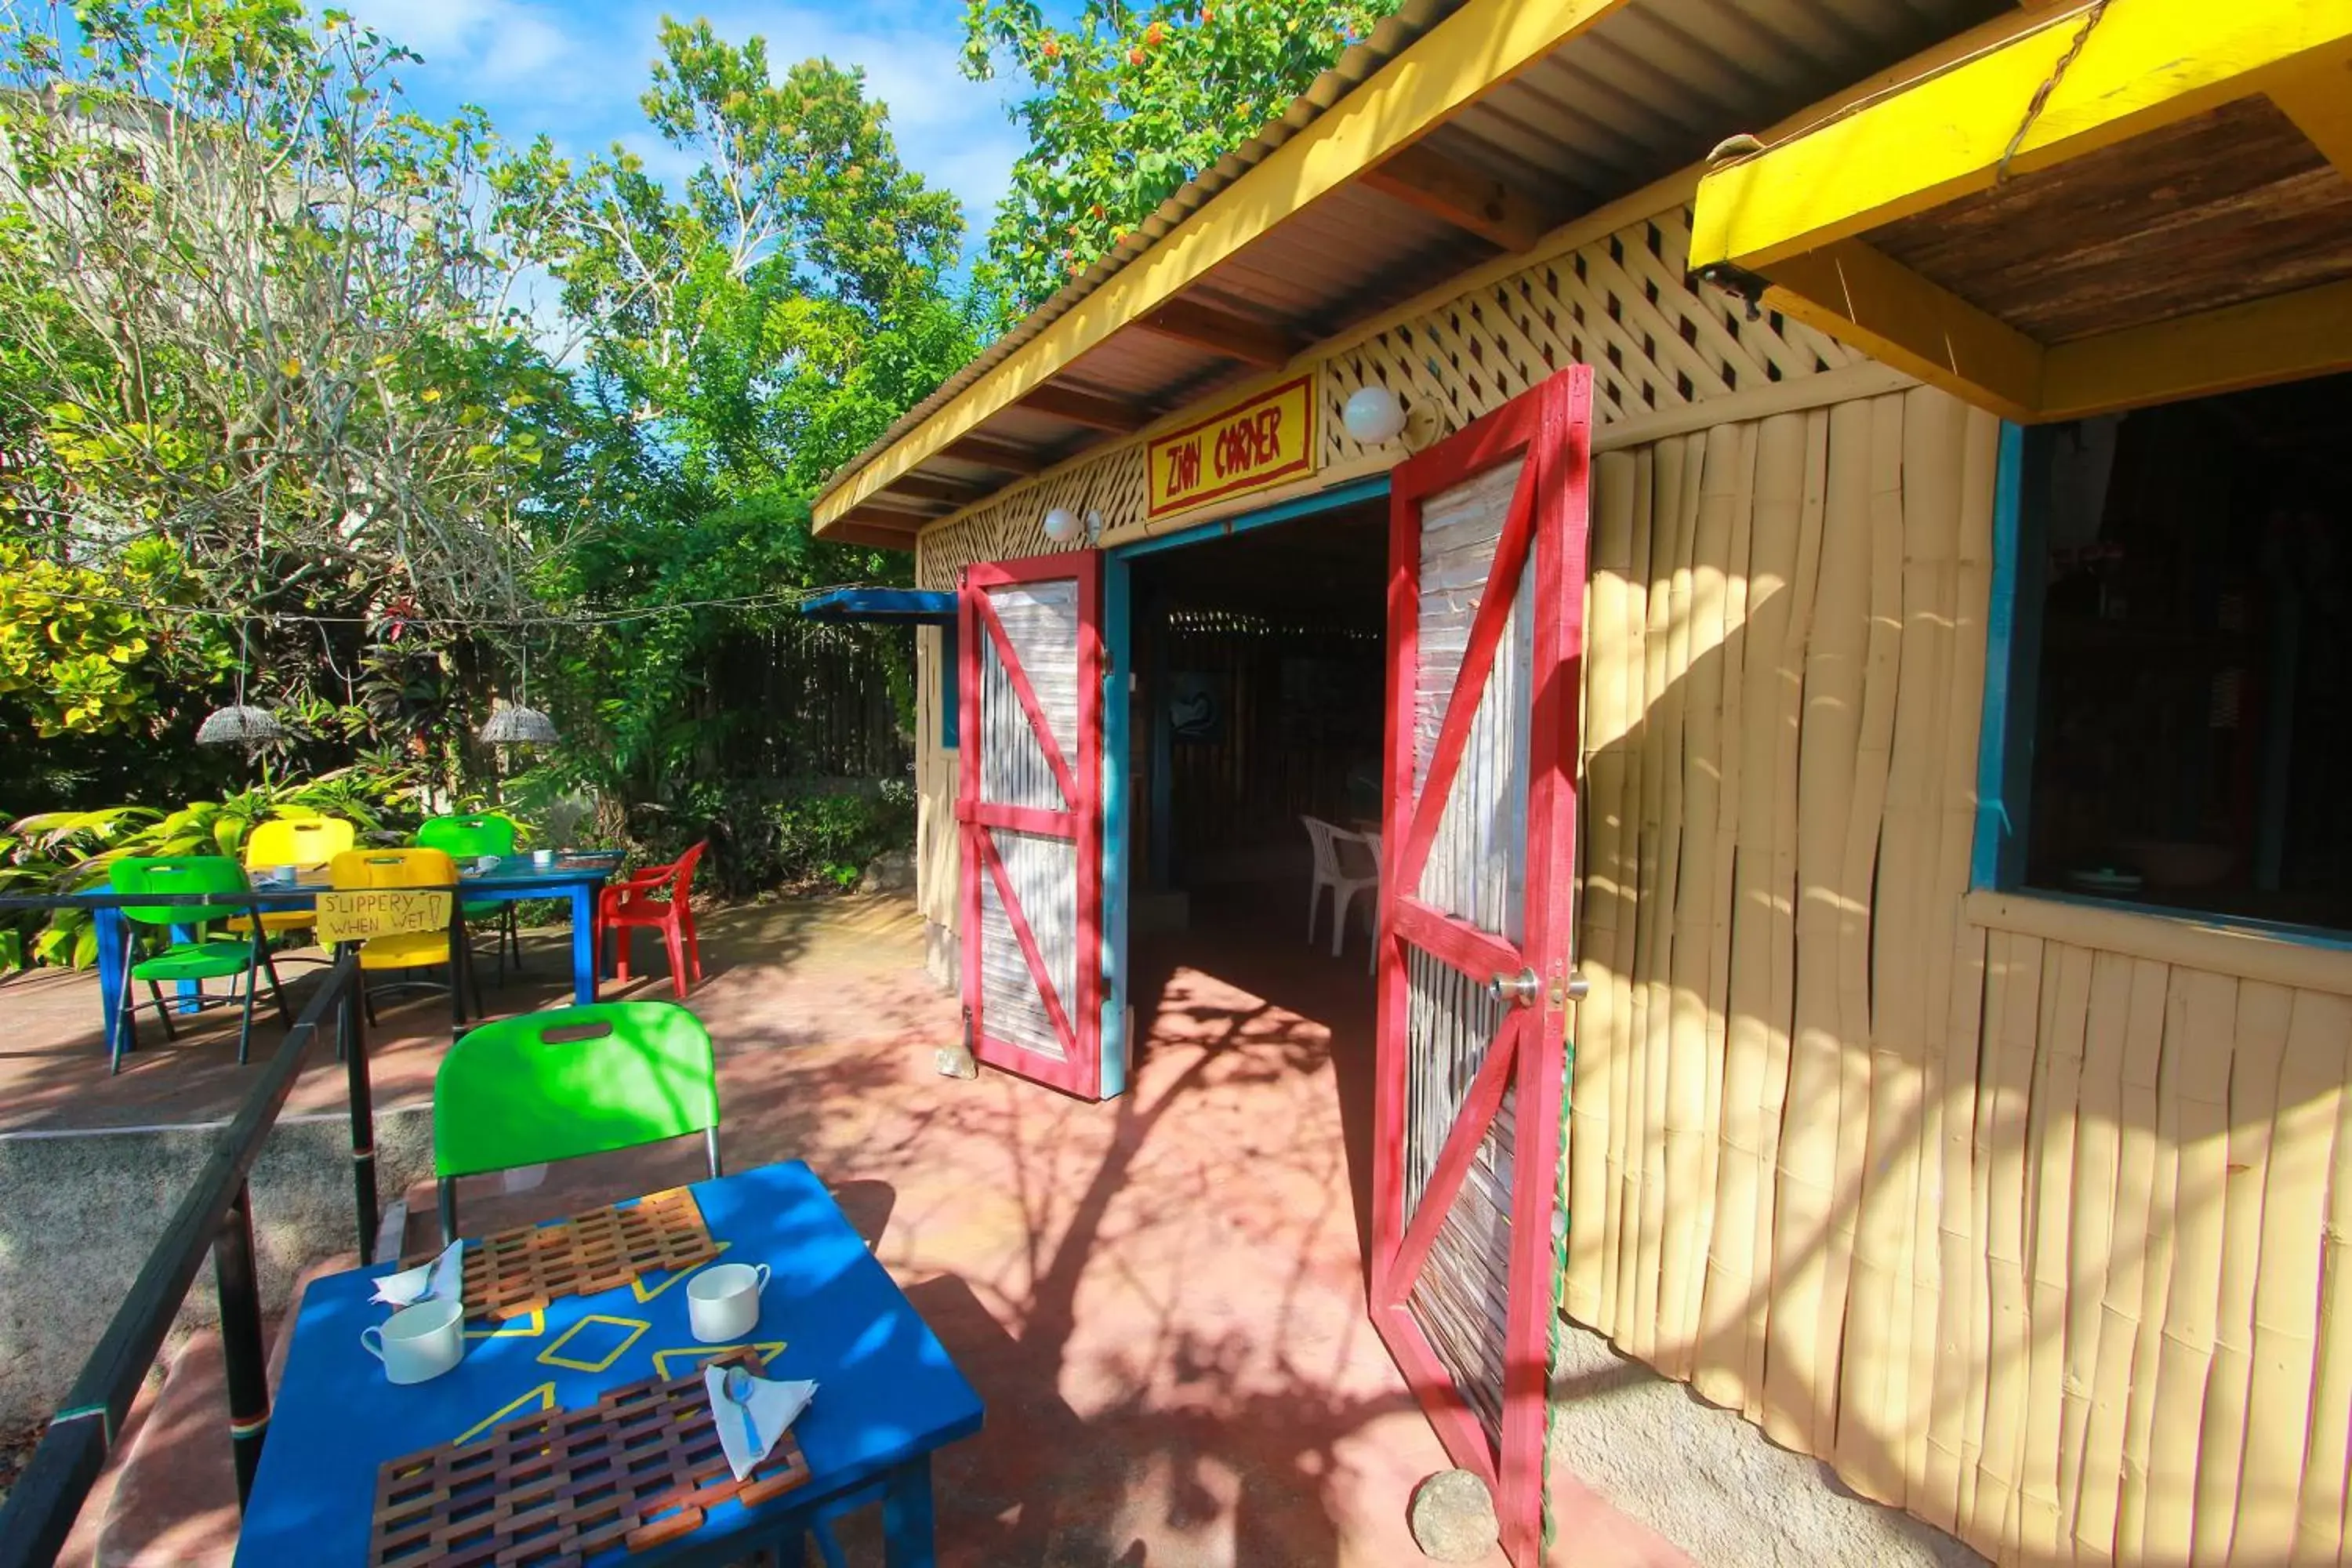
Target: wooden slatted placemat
pixel 550 1490
pixel 514 1273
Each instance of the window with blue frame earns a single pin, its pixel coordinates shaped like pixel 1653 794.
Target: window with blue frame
pixel 2170 698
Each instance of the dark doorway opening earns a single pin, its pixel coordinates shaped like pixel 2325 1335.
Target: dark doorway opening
pixel 1258 699
pixel 1258 702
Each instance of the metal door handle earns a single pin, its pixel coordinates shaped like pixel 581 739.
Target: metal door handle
pixel 1519 990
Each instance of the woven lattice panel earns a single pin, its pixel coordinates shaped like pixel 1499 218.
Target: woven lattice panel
pixel 517 1272
pixel 551 1489
pixel 1619 304
pixel 1110 486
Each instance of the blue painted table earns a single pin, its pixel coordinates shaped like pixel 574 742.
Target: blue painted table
pixel 887 1396
pixel 577 875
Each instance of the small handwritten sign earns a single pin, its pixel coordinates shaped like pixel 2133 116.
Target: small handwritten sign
pixel 357 915
pixel 1250 446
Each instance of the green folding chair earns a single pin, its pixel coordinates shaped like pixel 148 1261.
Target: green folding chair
pixel 567 1082
pixel 466 839
pixel 205 958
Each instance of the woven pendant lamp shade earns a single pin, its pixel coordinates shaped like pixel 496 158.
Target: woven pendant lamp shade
pixel 239 725
pixel 510 724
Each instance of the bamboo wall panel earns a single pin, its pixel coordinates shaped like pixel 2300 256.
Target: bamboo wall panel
pixel 936 852
pixel 2018 1215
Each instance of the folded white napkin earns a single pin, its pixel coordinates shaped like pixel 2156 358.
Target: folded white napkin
pixel 773 1408
pixel 442 1280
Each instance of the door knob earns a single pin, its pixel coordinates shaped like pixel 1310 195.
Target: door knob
pixel 1519 989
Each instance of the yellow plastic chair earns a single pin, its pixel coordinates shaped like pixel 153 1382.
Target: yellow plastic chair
pixel 357 869
pixel 289 841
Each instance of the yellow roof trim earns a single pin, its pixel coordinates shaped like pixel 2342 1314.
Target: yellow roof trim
pixel 2147 63
pixel 1485 43
pixel 2286 337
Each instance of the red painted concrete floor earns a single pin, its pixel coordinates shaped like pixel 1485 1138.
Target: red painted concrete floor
pixel 789 974
pixel 1160 1298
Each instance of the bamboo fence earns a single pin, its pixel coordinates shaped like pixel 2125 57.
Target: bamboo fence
pixel 2026 1219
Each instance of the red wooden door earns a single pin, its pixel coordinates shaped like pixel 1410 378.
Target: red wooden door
pixel 1486 558
pixel 1030 813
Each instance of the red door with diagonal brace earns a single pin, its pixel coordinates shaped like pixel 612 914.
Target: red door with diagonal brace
pixel 1030 813
pixel 1486 565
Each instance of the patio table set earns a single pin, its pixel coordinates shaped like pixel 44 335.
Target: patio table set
pixel 686 1376
pixel 289 863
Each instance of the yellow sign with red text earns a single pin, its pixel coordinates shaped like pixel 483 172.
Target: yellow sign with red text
pixel 1252 446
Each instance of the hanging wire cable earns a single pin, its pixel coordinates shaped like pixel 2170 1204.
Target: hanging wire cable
pixel 2041 99
pixel 781 599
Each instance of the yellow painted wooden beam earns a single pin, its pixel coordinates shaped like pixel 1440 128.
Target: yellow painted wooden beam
pixel 2147 64
pixel 1862 297
pixel 2284 338
pixel 1484 43
pixel 2319 101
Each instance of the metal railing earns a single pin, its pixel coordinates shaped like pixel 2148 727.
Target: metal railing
pixel 215 1215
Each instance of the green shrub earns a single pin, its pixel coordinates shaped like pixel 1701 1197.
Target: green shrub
pixel 72 851
pixel 792 837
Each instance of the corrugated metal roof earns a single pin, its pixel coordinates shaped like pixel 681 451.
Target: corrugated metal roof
pixel 1643 92
pixel 1360 62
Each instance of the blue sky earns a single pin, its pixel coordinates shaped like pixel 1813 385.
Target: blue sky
pixel 575 70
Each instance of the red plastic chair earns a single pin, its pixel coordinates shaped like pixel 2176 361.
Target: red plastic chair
pixel 640 901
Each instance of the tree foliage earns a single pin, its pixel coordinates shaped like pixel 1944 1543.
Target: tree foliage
pixel 261 309
pixel 745 336
pixel 1127 104
pixel 427 403
pixel 80 651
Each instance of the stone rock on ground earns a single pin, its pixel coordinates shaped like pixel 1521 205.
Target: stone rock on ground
pixel 892 872
pixel 1453 1518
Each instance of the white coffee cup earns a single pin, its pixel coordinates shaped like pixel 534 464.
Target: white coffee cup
pixel 543 857
pixel 418 1343
pixel 722 1302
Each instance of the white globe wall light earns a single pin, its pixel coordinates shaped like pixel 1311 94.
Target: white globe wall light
pixel 1373 415
pixel 1062 525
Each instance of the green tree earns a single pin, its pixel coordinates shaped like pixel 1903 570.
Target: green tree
pixel 259 308
pixel 80 651
pixel 744 336
pixel 1127 105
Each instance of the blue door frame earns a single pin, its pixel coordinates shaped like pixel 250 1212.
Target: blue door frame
pixel 1118 686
